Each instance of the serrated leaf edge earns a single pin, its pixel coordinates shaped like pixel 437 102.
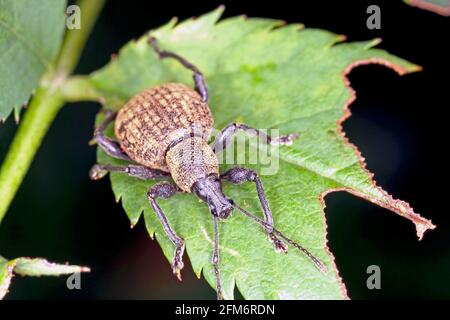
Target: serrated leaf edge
pixel 421 4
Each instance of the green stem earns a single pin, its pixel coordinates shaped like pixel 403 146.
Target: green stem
pixel 76 39
pixel 44 107
pixel 79 88
pixel 42 111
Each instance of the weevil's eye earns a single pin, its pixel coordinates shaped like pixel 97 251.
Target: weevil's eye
pixel 199 192
pixel 217 183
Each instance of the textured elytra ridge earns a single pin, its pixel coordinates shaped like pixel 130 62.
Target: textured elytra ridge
pixel 300 87
pixel 153 119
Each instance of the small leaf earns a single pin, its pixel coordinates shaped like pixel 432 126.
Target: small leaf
pixel 267 76
pixel 30 35
pixel 6 274
pixel 41 267
pixel 32 267
pixel 441 7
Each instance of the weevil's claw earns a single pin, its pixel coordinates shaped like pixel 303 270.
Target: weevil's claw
pixel 97 172
pixel 286 140
pixel 280 246
pixel 177 262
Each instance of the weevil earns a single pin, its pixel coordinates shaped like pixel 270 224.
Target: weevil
pixel 164 131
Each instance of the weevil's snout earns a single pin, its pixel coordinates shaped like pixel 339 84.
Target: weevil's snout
pixel 209 189
pixel 223 211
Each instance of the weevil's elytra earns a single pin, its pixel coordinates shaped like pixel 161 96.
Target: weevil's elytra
pixel 164 131
pixel 147 125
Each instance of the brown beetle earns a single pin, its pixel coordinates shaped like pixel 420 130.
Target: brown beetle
pixel 165 131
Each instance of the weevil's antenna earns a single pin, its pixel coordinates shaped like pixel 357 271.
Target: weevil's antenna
pixel 319 265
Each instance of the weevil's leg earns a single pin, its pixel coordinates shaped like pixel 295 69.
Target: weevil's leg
pixel 199 80
pixel 166 190
pixel 215 258
pixel 238 175
pixel 317 263
pixel 223 139
pixel 98 171
pixel 110 146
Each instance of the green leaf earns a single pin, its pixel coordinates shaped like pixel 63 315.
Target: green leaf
pixel 30 35
pixel 31 267
pixel 266 75
pixel 441 7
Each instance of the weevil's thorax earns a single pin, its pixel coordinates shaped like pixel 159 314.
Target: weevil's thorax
pixel 190 160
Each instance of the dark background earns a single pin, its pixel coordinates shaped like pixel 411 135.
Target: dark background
pixel 398 123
